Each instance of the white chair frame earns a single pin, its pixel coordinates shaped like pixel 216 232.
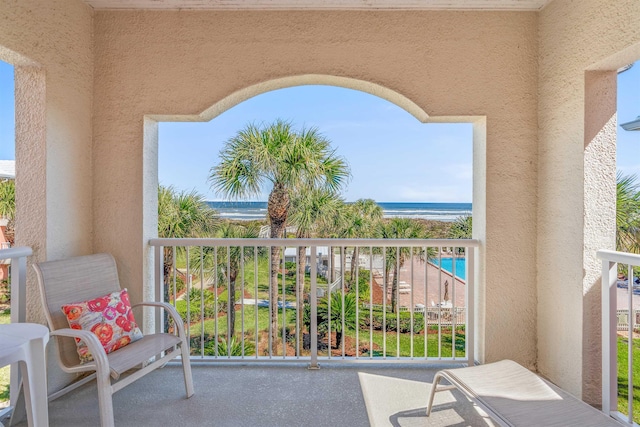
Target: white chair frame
pixel 101 269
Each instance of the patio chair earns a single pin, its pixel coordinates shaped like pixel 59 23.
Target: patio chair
pixel 512 395
pixel 85 278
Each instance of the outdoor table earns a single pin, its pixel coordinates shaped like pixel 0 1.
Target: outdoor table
pixel 25 343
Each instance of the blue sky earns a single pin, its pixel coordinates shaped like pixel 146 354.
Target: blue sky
pixel 7 113
pixel 393 157
pixel 628 145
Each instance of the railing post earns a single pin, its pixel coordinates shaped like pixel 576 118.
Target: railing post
pixel 470 305
pixel 313 300
pixel 609 345
pixel 18 289
pixel 158 260
pixel 18 286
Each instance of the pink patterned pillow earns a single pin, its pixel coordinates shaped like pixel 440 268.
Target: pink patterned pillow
pixel 109 317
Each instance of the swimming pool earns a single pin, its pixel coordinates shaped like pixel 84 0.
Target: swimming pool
pixel 447 265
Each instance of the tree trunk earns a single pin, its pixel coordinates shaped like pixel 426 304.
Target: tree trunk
pixel 302 261
pixel 355 263
pixel 274 296
pixel 278 209
pixel 386 280
pixel 167 268
pixel 332 269
pixel 231 306
pixel 10 232
pixel 394 287
pixel 338 339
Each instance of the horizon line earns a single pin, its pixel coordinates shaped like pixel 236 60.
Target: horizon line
pixel 265 201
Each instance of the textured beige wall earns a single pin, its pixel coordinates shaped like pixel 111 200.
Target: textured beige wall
pixel 448 63
pixel 50 43
pixel 576 178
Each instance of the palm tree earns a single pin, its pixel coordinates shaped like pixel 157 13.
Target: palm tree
pixel 336 317
pixel 180 215
pixel 627 213
pixel 400 228
pixel 8 207
pixel 286 160
pixel 229 264
pixel 332 226
pixel 309 209
pixel 361 219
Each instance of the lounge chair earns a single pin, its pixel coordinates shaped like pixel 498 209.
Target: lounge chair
pixel 85 278
pixel 514 396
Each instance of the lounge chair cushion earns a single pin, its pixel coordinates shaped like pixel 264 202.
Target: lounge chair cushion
pixel 516 396
pixel 109 317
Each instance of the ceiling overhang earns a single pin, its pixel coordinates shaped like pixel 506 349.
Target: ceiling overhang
pixel 515 5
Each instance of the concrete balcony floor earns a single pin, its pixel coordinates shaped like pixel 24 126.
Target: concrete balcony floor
pixel 234 394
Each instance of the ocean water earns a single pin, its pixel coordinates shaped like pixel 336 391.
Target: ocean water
pixel 437 211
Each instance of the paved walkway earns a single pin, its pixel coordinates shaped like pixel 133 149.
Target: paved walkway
pixel 434 285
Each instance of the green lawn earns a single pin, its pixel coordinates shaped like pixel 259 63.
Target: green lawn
pixel 418 343
pixel 263 280
pixel 378 336
pixel 623 382
pixel 4 371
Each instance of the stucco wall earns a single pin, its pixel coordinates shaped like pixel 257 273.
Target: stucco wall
pixel 50 44
pixel 448 63
pixel 576 178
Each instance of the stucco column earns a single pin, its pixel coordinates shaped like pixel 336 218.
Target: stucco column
pixel 31 175
pixel 599 216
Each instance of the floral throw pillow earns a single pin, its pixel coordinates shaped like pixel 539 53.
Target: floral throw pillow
pixel 109 317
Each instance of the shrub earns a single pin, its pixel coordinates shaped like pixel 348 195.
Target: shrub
pixel 363 285
pixel 234 347
pixel 180 286
pixel 392 321
pixel 350 320
pixel 194 309
pixel 5 291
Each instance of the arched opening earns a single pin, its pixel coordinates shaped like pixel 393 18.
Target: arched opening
pixel 476 132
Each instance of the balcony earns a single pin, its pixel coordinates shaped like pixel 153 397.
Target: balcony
pixel 297 384
pixel 92 85
pixel 231 394
pixel 275 385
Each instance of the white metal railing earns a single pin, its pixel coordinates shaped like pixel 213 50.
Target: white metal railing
pixel 611 316
pixel 396 307
pixel 18 288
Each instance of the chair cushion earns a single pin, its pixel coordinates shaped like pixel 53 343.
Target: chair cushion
pixel 109 317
